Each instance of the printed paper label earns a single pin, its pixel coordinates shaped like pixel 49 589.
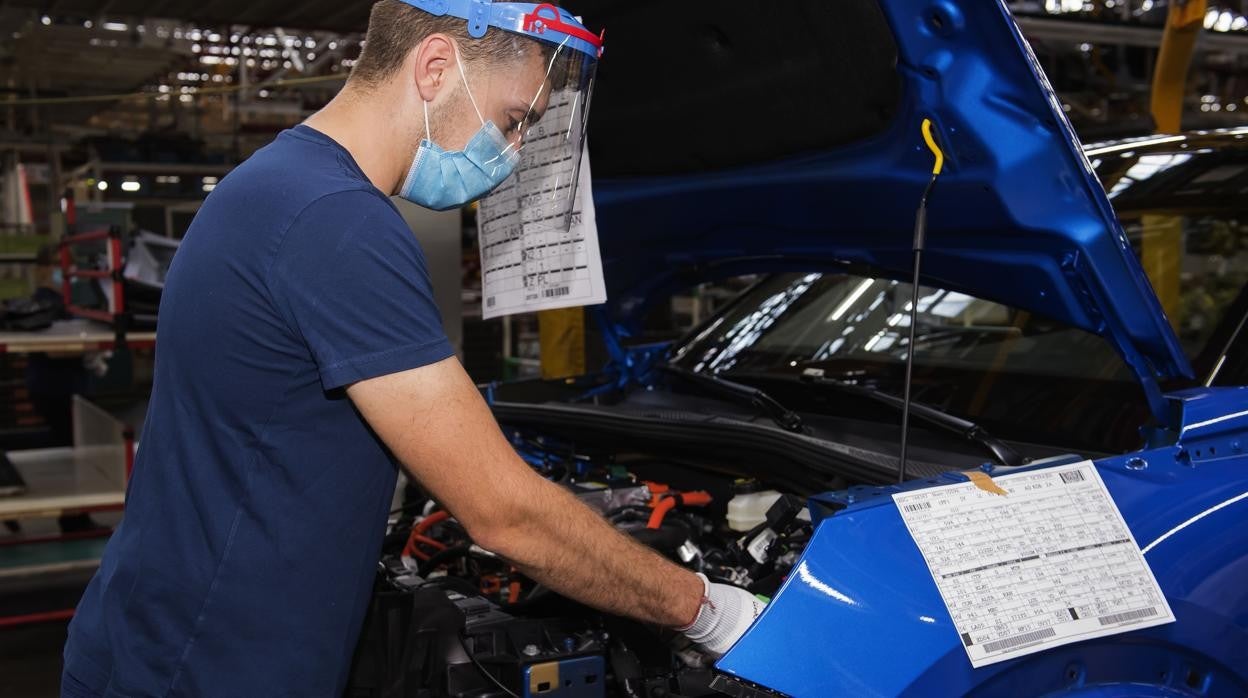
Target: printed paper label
pixel 528 261
pixel 1050 563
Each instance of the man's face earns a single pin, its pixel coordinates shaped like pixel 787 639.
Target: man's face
pixel 511 93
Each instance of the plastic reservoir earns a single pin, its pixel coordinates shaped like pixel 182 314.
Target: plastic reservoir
pixel 745 511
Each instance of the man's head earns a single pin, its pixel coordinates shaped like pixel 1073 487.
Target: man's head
pixel 415 58
pixel 473 77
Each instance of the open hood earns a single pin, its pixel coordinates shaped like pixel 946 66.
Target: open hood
pixel 763 137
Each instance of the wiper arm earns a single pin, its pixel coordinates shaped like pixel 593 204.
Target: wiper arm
pixel 966 429
pixel 783 417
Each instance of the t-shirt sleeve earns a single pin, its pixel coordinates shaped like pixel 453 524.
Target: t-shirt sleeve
pixel 350 278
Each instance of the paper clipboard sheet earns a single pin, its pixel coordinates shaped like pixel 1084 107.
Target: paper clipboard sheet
pixel 1050 563
pixel 528 262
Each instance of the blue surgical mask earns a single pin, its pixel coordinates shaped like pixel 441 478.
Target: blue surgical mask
pixel 442 180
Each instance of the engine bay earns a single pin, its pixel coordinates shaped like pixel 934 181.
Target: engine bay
pixel 450 618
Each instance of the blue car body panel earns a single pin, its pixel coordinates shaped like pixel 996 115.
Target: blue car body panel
pixel 871 621
pixel 1017 216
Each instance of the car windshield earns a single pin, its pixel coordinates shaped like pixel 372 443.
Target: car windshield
pixel 1181 203
pixel 800 320
pixel 1016 371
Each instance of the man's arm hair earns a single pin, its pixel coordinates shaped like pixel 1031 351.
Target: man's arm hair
pixel 435 422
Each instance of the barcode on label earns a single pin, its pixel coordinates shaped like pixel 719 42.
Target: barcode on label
pixel 998 645
pixel 556 291
pixel 1137 614
pixel 489 302
pixel 917 506
pixel 1072 476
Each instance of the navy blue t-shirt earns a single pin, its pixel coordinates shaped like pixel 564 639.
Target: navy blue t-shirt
pixel 257 506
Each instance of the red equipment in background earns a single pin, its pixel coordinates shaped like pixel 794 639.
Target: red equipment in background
pixel 115 314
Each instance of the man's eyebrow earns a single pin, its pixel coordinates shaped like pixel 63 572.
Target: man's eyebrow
pixel 533 116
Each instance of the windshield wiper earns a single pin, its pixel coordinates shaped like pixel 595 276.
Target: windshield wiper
pixel 783 417
pixel 965 428
pixel 956 425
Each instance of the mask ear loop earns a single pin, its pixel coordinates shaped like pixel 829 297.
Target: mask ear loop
pixel 428 133
pixel 459 62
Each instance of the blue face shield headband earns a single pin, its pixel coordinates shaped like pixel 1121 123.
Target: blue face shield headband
pixel 541 22
pixel 541 106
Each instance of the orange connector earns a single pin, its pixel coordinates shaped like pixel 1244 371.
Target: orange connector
pixel 668 501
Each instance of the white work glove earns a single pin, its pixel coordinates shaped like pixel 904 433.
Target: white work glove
pixel 725 615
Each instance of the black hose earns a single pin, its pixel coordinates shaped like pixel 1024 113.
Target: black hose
pixel 666 538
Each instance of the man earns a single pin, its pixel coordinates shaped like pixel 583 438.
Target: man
pixel 301 357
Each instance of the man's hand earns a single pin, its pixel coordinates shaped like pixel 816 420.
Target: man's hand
pixel 434 421
pixel 726 614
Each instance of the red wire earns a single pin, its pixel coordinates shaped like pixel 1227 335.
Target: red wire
pixel 428 541
pixel 426 523
pixel 665 505
pixel 669 501
pixel 417 534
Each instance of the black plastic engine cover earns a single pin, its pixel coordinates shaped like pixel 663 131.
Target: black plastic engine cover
pixel 416 643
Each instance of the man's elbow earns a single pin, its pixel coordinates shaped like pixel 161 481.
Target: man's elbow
pixel 503 525
pixel 503 540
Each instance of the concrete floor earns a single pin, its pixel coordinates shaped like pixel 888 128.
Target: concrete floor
pixel 30 660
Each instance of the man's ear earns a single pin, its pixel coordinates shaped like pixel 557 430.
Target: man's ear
pixel 432 59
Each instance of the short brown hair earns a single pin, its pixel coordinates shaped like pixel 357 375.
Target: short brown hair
pixel 395 28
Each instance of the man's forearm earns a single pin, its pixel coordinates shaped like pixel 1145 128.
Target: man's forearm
pixel 435 421
pixel 568 547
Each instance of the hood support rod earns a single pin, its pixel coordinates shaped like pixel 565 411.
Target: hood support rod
pixel 920 235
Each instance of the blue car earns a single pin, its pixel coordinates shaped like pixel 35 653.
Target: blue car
pixel 1075 305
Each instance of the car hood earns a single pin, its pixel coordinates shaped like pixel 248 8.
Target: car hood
pixel 752 140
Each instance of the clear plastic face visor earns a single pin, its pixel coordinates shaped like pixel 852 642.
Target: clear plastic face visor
pixel 540 101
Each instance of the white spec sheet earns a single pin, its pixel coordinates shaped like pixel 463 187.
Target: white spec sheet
pixel 528 262
pixel 1048 563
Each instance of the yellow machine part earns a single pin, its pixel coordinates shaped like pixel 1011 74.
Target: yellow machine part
pixel 1184 20
pixel 561 337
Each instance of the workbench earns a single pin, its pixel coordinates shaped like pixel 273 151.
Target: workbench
pixel 61 480
pixel 72 336
pixel 90 476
